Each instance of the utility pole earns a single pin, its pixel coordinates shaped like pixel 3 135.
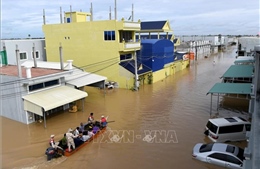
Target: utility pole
pixel 136 73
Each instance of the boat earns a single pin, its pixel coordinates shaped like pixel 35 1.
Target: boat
pixel 79 144
pixel 77 148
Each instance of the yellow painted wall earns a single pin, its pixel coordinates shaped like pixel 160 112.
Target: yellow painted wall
pixel 84 43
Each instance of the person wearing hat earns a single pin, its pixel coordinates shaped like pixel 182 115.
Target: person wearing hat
pixel 54 144
pixel 70 139
pixel 103 121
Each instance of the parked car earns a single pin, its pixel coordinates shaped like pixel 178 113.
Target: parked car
pixel 220 154
pixel 227 129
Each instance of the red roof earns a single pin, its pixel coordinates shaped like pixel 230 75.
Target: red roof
pixel 12 70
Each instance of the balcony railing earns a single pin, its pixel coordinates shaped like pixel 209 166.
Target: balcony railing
pixel 129 46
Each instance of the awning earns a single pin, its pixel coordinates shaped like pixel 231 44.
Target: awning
pixel 231 88
pixel 80 79
pixel 237 71
pixel 51 98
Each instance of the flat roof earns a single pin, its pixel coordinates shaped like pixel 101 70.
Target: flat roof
pixel 12 70
pixel 239 71
pixel 231 88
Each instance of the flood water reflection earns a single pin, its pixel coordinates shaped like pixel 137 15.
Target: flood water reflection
pixel 155 127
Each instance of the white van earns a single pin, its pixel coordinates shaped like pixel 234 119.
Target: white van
pixel 227 129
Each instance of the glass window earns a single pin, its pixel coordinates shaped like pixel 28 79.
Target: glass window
pixel 23 56
pixel 206 148
pixel 218 156
pixel 126 56
pixel 233 160
pixel 248 127
pixel 109 35
pixel 212 127
pixel 43 85
pixel 231 129
pixel 230 149
pixel 37 54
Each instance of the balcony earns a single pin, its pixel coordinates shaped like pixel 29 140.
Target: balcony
pixel 129 46
pixel 134 26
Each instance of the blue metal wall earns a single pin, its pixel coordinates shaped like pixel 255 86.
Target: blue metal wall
pixel 155 53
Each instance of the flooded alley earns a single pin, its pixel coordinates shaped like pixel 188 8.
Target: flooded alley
pixel 155 127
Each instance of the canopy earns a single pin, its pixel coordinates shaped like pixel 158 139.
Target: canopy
pixel 51 98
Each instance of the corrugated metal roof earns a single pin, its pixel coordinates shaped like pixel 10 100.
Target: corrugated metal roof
pixel 51 98
pixel 231 88
pixel 239 71
pixel 152 25
pixel 80 78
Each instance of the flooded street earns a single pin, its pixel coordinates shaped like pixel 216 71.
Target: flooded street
pixel 153 128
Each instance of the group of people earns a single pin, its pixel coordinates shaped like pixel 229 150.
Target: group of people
pixel 74 138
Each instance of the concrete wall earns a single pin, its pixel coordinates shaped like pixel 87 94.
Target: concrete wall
pixel 24 45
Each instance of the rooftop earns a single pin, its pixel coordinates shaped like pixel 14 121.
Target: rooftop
pixel 12 70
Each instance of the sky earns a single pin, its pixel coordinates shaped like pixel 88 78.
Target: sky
pixel 21 18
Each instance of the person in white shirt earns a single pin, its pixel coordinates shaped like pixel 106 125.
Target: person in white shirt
pixel 70 140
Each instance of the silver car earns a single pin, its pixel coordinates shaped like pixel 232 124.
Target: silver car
pixel 220 154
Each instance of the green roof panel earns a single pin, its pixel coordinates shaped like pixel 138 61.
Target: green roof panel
pixel 237 71
pixel 231 88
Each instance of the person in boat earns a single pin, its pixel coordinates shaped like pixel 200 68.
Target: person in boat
pixel 63 142
pixel 103 121
pixel 95 128
pixel 81 127
pixel 70 139
pixel 76 132
pixel 54 144
pixel 91 118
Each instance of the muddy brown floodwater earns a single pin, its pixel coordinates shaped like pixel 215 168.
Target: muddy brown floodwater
pixel 155 127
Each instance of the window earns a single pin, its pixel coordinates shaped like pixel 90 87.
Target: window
pixel 230 149
pixel 126 56
pixel 233 160
pixel 43 85
pixel 206 148
pixel 231 129
pixel 212 127
pixel 109 35
pixel 37 54
pixel 218 156
pixel 23 55
pixel 248 127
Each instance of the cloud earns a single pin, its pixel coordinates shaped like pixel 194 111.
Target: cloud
pixel 185 16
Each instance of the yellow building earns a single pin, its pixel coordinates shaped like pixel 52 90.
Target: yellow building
pixel 95 46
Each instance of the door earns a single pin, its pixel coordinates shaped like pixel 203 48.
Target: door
pixel 233 162
pixel 217 159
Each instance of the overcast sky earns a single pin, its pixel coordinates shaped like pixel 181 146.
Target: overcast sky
pixel 187 17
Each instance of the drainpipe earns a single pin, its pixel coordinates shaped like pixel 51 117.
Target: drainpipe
pixel 34 56
pixel 18 62
pixel 61 58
